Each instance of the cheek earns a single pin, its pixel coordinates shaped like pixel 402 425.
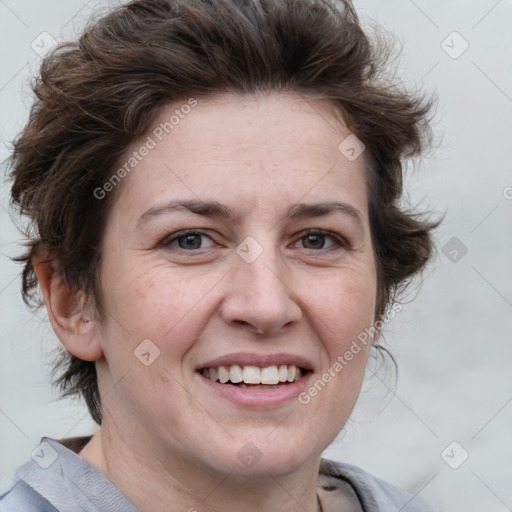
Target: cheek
pixel 159 303
pixel 346 309
pixel 344 305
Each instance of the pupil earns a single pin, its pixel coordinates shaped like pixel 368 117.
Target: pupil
pixel 190 242
pixel 317 240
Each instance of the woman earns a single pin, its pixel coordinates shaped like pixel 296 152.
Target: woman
pixel 215 189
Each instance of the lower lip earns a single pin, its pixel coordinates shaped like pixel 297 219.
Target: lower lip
pixel 258 397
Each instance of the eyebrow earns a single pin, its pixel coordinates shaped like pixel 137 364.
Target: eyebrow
pixel 211 209
pixel 306 211
pixel 214 209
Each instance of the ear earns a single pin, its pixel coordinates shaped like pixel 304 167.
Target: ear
pixel 377 329
pixel 376 325
pixel 72 320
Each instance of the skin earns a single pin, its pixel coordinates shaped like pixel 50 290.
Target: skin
pixel 166 437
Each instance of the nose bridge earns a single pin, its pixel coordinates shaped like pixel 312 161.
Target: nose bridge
pixel 258 294
pixel 264 277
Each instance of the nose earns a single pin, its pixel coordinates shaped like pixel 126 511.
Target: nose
pixel 260 296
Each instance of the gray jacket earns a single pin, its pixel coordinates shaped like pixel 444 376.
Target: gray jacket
pixel 58 480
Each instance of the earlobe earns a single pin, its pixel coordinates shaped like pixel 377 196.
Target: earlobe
pixel 68 311
pixel 377 324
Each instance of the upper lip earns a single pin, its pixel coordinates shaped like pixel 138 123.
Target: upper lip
pixel 260 360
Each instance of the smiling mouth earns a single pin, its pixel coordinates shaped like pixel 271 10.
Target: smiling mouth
pixel 254 377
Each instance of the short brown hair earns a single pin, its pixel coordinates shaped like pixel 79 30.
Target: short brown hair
pixel 96 95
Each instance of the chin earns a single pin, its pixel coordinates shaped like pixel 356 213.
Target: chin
pixel 264 457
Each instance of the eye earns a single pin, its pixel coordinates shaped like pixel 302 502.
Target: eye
pixel 322 240
pixel 189 240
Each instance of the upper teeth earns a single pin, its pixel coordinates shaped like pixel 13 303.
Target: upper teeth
pixel 253 374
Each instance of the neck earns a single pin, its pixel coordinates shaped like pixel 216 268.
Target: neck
pixel 151 482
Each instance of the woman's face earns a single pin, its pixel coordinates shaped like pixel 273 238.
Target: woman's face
pixel 240 240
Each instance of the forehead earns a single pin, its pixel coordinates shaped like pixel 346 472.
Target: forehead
pixel 248 149
pixel 237 125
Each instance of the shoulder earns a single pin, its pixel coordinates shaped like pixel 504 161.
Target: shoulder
pixel 22 498
pixel 57 479
pixel 375 494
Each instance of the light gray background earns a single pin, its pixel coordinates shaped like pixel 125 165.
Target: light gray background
pixel 452 343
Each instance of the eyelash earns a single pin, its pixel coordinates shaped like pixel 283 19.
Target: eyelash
pixel 338 241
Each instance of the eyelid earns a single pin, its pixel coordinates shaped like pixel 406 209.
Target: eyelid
pixel 340 241
pixel 166 242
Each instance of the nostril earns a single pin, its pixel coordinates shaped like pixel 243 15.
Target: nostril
pixel 243 323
